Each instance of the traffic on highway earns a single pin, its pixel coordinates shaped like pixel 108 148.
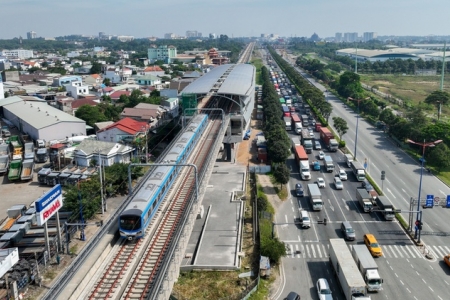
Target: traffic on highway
pixel 331 199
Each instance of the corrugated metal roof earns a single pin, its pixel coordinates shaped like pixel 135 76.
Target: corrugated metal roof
pixel 226 79
pixel 39 114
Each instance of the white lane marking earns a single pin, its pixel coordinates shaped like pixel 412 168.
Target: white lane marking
pixel 291 249
pixel 388 181
pixel 404 191
pixel 313 251
pixel 410 251
pixel 408 290
pixel 390 192
pixel 307 250
pixel 401 281
pixel 286 218
pixel 443 193
pixel 318 250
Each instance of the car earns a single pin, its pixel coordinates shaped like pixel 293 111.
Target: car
pixel 338 183
pixel 366 184
pixel 342 174
pixel 372 245
pixel 292 296
pixel 323 289
pixel 321 182
pixel 321 155
pixel 348 231
pixel 6 133
pixel 299 191
pixel 447 259
pixel 317 145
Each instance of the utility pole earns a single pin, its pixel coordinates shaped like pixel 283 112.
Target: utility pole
pixel 442 72
pixel 356 62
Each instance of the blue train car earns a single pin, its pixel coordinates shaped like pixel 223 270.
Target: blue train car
pixel 138 214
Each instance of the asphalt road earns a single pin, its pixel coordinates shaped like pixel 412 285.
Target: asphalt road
pixel 406 272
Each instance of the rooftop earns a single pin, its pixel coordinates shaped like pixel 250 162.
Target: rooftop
pixel 90 146
pixel 127 125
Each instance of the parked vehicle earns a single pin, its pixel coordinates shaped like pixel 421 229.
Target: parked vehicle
pixel 368 268
pixel 364 199
pixel 347 272
pixel 372 245
pixel 303 162
pixel 41 155
pixel 14 169
pixel 40 143
pixel 387 208
pixel 42 175
pixel 27 169
pixel 16 147
pixel 28 151
pixel 328 163
pixel 358 170
pixel 6 133
pixel 315 197
pixel 4 163
pixel 328 138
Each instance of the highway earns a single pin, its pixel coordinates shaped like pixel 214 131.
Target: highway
pixel 406 272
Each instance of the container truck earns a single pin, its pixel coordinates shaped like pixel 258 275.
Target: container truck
pixel 368 268
pixel 328 139
pixel 16 147
pixel 364 199
pixel 28 151
pixel 307 141
pixel 358 170
pixel 328 163
pixel 14 169
pixel 387 208
pixel 347 272
pixel 295 142
pixel 287 123
pixel 315 197
pixel 27 169
pixel 303 162
pixel 296 124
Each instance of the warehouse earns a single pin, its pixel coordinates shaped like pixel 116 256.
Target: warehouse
pixel 40 120
pixel 384 55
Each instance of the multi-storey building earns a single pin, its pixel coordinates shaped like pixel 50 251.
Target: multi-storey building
pixel 31 35
pixel 17 53
pixel 338 37
pixel 164 53
pixel 368 36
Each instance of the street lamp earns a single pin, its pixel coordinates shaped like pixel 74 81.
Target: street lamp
pixel 357 122
pixel 422 160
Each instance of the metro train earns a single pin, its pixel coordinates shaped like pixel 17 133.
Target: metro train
pixel 138 214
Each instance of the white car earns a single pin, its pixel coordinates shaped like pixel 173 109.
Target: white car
pixel 342 174
pixel 338 183
pixel 321 155
pixel 321 182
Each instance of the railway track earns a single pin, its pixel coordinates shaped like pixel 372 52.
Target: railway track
pixel 247 55
pixel 135 268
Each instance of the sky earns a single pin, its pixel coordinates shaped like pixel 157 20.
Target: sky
pixel 235 18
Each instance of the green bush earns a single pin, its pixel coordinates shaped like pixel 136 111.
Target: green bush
pixel 401 220
pixel 341 144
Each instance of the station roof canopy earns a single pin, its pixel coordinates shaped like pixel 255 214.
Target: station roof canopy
pixel 230 79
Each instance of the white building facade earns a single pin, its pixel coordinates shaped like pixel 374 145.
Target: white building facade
pixel 18 53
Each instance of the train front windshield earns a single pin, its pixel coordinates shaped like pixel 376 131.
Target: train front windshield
pixel 130 222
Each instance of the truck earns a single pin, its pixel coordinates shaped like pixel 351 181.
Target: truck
pixel 364 199
pixel 344 267
pixel 328 138
pixel 41 155
pixel 348 159
pixel 14 169
pixel 296 124
pixel 315 197
pixel 385 205
pixel 295 142
pixel 328 164
pixel 307 141
pixel 358 170
pixel 368 268
pixel 4 163
pixel 287 123
pixel 16 147
pixel 303 162
pixel 27 169
pixel 40 143
pixel 305 121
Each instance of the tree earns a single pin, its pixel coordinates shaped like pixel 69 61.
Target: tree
pixel 96 68
pixel 440 157
pixel 350 86
pixel 90 114
pixel 438 98
pixel 340 125
pixel 279 150
pixel 281 173
pixel 273 248
pixel 106 81
pixel 387 116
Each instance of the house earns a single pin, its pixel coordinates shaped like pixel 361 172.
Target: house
pixel 173 106
pixel 64 103
pixel 153 70
pixel 180 84
pixel 86 69
pixel 76 88
pixel 127 129
pixel 148 80
pixel 115 96
pixel 100 125
pixel 90 150
pixel 117 75
pixel 65 80
pixel 145 112
pixel 192 74
pixel 93 80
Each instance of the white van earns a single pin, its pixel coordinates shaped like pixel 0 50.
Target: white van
pixel 306 221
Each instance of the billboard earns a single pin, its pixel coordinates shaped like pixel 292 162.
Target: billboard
pixel 49 204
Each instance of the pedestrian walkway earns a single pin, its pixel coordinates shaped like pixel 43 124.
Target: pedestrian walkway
pixel 317 250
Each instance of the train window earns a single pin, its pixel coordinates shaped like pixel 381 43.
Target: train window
pixel 130 222
pixel 149 212
pixel 154 205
